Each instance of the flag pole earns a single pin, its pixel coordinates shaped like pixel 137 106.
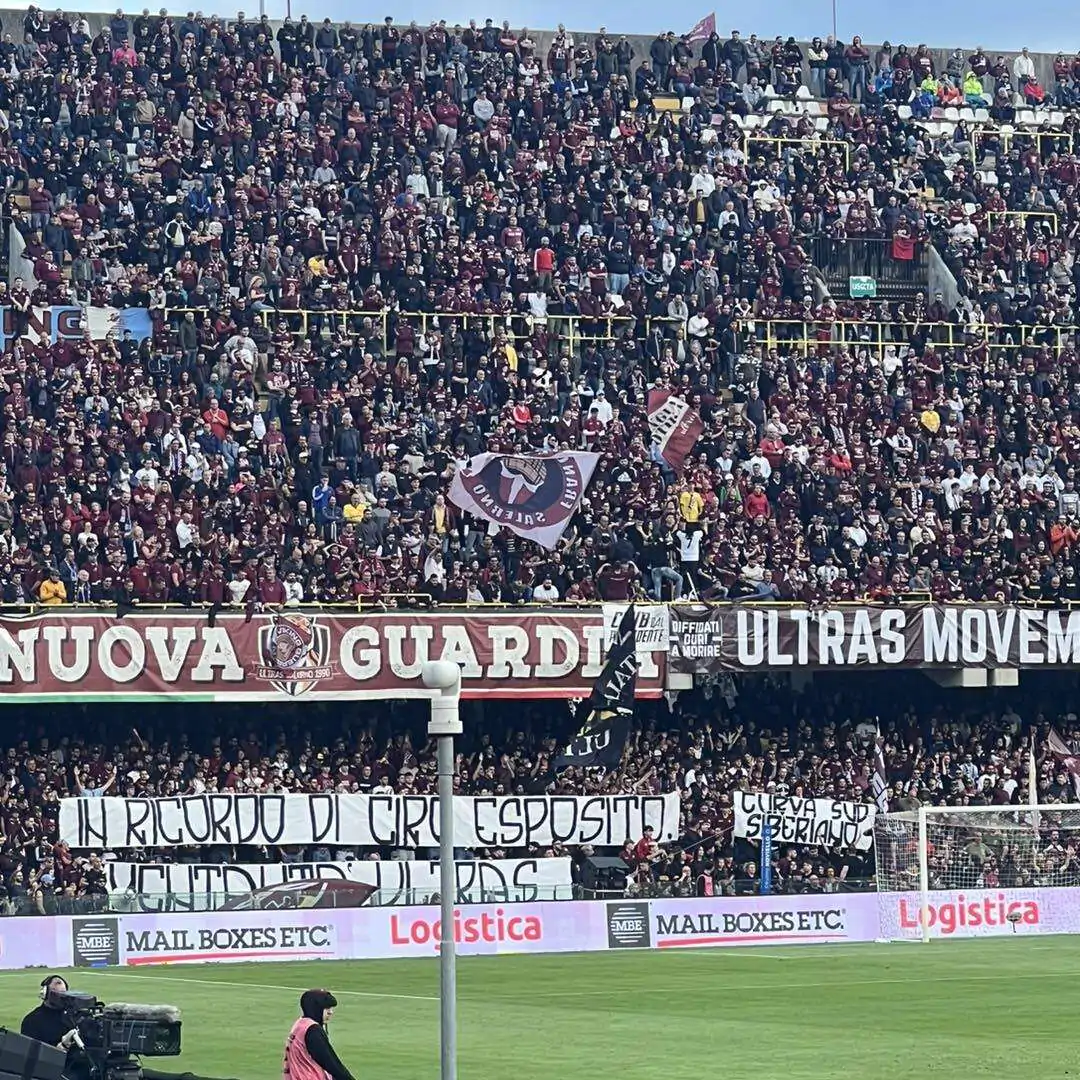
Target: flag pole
pixel 443 681
pixel 1033 788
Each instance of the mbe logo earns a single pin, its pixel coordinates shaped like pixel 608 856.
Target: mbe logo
pixel 628 926
pixel 95 942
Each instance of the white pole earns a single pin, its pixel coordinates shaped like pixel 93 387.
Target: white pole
pixel 924 879
pixel 1033 789
pixel 444 679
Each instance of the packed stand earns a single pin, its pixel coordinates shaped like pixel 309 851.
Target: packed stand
pixel 528 239
pixel 753 734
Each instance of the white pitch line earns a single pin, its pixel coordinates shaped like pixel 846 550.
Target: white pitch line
pixel 738 988
pixel 735 987
pixel 254 986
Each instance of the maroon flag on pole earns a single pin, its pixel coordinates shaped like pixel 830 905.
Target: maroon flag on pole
pixel 532 495
pixel 703 29
pixel 1060 749
pixel 674 426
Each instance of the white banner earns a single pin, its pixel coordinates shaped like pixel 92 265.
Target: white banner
pixel 396 821
pixel 208 886
pixel 820 822
pixel 653 626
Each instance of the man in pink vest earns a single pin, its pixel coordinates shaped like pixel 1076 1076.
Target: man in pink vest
pixel 308 1053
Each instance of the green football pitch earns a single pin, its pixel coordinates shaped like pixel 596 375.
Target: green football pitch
pixel 1006 1007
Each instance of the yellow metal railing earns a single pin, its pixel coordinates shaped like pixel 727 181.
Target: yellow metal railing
pixel 991 215
pixel 981 132
pixel 809 335
pixel 877 334
pixel 1008 136
pixel 812 142
pixel 514 327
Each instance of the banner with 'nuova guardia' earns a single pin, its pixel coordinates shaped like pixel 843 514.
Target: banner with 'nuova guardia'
pixel 403 821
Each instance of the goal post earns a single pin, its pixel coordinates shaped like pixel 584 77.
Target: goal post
pixel 964 870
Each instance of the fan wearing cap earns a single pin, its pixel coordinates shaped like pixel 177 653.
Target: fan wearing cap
pixel 308 1053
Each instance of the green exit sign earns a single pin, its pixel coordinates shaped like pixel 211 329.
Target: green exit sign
pixel 860 288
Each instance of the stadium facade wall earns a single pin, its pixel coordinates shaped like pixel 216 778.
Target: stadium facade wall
pixel 12 21
pixel 574 926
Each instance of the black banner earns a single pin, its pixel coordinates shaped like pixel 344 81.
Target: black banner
pixel 708 639
pixel 604 716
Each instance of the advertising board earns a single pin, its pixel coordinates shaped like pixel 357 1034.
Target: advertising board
pixel 142 939
pixel 981 913
pixel 358 934
pixel 764 920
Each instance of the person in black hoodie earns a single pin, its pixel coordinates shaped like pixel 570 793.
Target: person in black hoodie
pixel 308 1047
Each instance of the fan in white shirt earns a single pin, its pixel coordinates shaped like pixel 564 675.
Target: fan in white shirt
pixel 762 463
pixel 703 183
pixel 185 532
pixel 604 411
pixel 238 589
pixel 545 592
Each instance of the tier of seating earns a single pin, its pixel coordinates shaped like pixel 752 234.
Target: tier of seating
pixel 753 734
pixel 369 253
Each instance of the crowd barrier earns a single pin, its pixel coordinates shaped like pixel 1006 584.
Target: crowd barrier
pixel 810 335
pixel 543 927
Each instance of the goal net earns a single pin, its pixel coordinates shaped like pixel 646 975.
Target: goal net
pixel 974 870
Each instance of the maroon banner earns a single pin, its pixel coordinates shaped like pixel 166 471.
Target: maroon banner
pixel 708 639
pixel 674 426
pixel 293 654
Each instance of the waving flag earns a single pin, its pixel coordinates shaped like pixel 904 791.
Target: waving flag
pixel 534 496
pixel 674 427
pixel 702 30
pixel 1068 760
pixel 103 321
pixel 604 716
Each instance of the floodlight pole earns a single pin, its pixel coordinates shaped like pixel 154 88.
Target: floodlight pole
pixel 444 680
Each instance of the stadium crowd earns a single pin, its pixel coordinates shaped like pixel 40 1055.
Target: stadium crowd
pixel 371 252
pixel 753 733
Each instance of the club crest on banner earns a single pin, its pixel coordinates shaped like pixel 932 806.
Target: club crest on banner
pixel 294 653
pixel 527 491
pixel 534 496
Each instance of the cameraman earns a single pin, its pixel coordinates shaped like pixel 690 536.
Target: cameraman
pixel 308 1053
pixel 48 1023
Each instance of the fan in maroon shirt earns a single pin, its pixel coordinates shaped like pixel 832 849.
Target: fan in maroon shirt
pixel 616 580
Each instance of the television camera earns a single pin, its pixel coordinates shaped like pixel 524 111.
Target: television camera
pixel 112 1037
